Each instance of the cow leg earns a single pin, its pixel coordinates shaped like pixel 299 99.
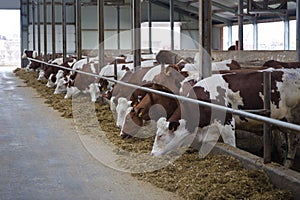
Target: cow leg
pixel 293 139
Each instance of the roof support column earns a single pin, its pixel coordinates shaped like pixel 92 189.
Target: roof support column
pixel 118 25
pixel 286 32
pixel 39 26
pixel 64 32
pixel 229 35
pixel 298 30
pixel 255 34
pixel 136 15
pixel 53 29
pixel 100 33
pixel 33 24
pixel 150 25
pixel 240 22
pixel 45 30
pixel 172 23
pixel 205 30
pixel 78 30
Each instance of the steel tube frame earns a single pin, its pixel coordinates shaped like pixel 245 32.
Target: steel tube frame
pixel 39 26
pixel 241 23
pixel 64 32
pixel 136 15
pixel 286 32
pixel 118 25
pixel 78 30
pixel 100 6
pixel 53 29
pixel 205 29
pixel 45 30
pixel 150 25
pixel 186 99
pixel 171 10
pixel 267 107
pixel 33 24
pixel 298 29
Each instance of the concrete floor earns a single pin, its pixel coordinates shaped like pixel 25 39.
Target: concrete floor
pixel 42 158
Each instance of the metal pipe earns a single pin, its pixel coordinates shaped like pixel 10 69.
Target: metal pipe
pixel 172 23
pixel 241 23
pixel 255 34
pixel 64 32
pixel 207 38
pixel 229 35
pixel 101 33
pixel 78 30
pixel 267 107
pixel 45 30
pixel 186 99
pixel 150 25
pixel 39 26
pixel 286 32
pixel 137 33
pixel 53 29
pixel 118 25
pixel 33 24
pixel 298 29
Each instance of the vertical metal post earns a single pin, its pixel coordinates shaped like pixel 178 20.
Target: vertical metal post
pixel 255 34
pixel 229 34
pixel 172 23
pixel 137 33
pixel 150 25
pixel 286 32
pixel 267 107
pixel 45 30
pixel 78 30
pixel 33 24
pixel 298 29
pixel 206 37
pixel 101 33
pixel 118 25
pixel 53 29
pixel 39 26
pixel 116 69
pixel 64 32
pixel 241 23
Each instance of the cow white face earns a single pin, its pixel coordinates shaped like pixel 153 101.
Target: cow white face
pixel 123 105
pixel 94 91
pixel 71 91
pixel 41 75
pixel 59 75
pixel 60 86
pixel 50 83
pixel 167 141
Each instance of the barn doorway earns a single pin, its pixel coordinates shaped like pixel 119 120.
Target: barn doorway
pixel 10 39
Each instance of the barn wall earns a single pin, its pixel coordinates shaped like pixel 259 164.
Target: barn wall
pixel 10 4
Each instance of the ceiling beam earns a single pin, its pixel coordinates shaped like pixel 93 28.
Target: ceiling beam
pixel 223 7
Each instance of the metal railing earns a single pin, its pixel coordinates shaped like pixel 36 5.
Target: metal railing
pixel 266 110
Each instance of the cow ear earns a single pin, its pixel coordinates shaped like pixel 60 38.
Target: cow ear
pixel 173 126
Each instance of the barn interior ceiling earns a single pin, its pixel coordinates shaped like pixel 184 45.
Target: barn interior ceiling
pixel 223 11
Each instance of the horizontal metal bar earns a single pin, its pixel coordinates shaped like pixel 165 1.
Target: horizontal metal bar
pixel 186 99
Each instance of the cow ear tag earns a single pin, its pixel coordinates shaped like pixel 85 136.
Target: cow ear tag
pixel 140 114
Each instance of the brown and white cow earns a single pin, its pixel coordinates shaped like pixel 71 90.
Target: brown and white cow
pixel 243 91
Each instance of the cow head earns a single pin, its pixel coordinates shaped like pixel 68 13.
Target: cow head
pixel 166 140
pixel 51 81
pixel 94 91
pixel 122 107
pixel 61 86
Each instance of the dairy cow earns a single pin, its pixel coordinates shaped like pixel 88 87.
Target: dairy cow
pixel 238 90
